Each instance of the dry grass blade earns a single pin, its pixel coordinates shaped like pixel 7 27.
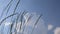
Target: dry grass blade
pixel 37 20
pixel 8 9
pixel 21 21
pixel 5 9
pixel 14 12
pixel 29 17
pixel 17 20
pixel 22 18
pixel 16 6
pixel 27 21
pixel 7 18
pixel 36 23
pixel 17 17
pixel 12 26
pixel 9 4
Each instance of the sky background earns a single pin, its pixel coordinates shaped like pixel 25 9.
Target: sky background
pixel 49 8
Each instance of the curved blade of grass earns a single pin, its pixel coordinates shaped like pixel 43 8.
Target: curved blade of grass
pixel 29 17
pixel 12 26
pixel 17 21
pixel 7 18
pixel 5 9
pixel 8 9
pixel 36 23
pixel 27 21
pixel 15 10
pixel 16 6
pixel 22 18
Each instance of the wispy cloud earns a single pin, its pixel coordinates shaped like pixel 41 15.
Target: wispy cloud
pixel 50 27
pixel 57 30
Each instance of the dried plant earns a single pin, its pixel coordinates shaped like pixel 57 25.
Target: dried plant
pixel 18 18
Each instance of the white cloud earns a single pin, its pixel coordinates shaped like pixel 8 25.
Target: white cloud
pixel 57 30
pixel 50 27
pixel 7 23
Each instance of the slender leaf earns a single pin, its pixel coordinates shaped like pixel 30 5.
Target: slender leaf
pixel 7 18
pixel 5 9
pixel 36 23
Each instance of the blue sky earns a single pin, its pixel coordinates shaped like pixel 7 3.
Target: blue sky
pixel 49 8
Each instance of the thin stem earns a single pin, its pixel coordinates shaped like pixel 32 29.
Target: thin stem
pixel 36 23
pixel 5 9
pixel 16 6
pixel 7 18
